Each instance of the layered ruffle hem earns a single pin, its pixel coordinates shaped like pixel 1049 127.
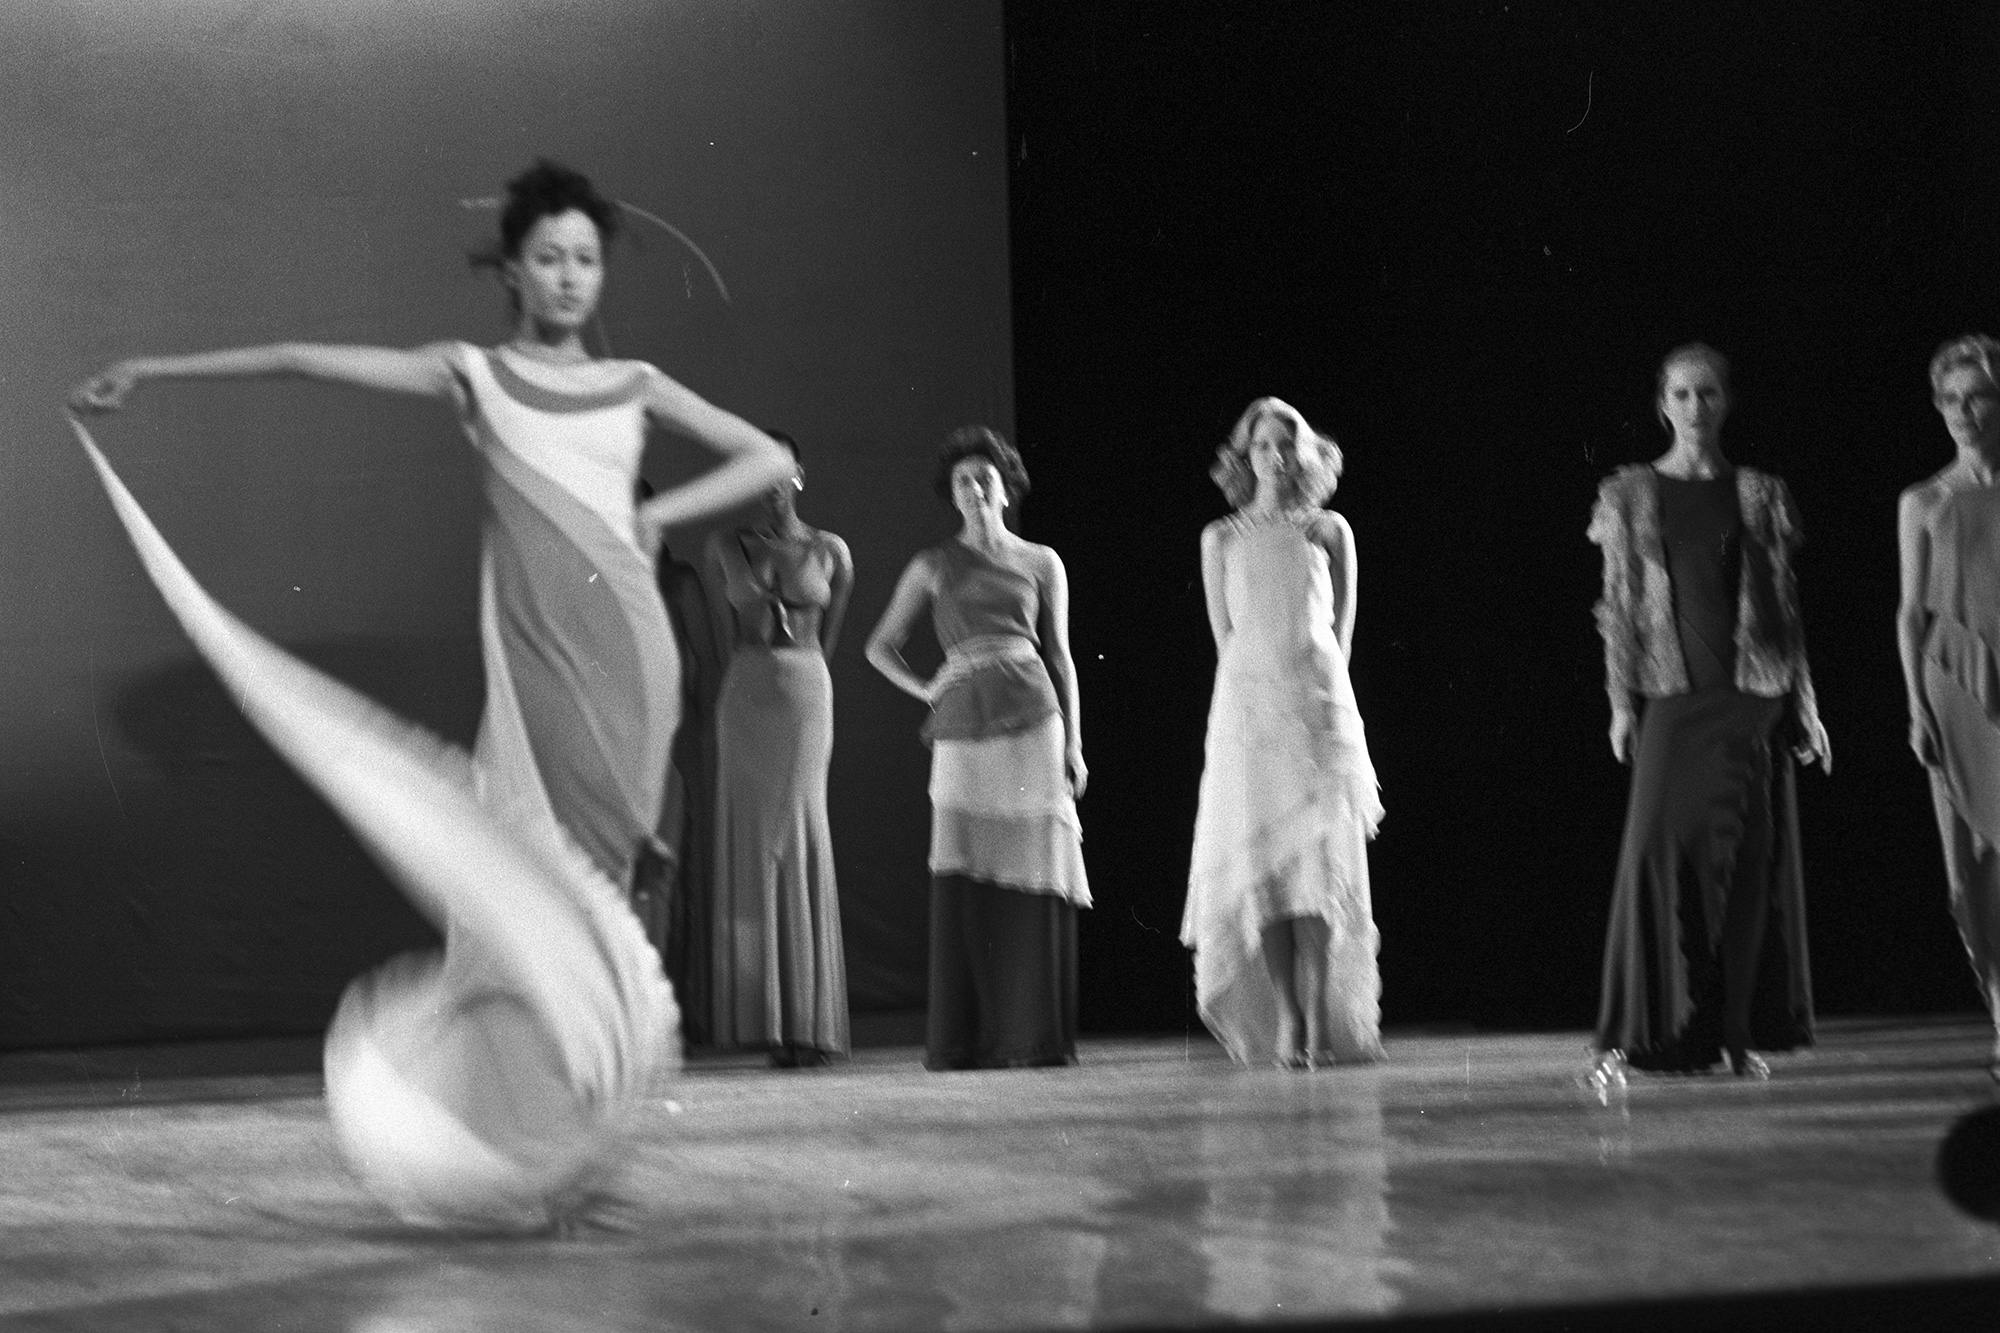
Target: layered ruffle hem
pixel 1001 808
pixel 1288 804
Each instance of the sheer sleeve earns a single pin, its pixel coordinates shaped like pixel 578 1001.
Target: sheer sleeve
pixel 1611 530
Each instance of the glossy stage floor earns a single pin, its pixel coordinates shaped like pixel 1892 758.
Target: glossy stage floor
pixel 1470 1178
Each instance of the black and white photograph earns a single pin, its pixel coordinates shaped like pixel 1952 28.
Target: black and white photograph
pixel 999 665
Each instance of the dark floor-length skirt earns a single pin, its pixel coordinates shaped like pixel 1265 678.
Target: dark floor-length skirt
pixel 1002 977
pixel 1707 940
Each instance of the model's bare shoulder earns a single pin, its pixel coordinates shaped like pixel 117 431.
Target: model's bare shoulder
pixel 1043 560
pixel 1332 526
pixel 834 545
pixel 1926 495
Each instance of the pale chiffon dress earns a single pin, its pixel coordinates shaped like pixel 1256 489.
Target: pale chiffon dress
pixel 1288 799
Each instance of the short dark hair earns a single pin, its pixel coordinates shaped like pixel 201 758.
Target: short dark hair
pixel 790 444
pixel 981 442
pixel 546 190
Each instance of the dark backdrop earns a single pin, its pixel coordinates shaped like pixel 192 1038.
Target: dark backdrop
pixel 1461 236
pixel 179 174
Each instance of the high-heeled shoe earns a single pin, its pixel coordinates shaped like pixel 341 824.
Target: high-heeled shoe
pixel 1608 1070
pixel 1748 1064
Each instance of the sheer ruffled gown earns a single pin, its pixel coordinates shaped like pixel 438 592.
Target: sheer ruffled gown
pixel 1288 800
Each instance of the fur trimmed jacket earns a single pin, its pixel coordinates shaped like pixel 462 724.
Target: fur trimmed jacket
pixel 1642 647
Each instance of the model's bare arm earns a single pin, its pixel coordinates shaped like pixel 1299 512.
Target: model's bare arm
pixel 1062 666
pixel 423 371
pixel 885 644
pixel 1338 538
pixel 1212 585
pixel 1913 619
pixel 836 604
pixel 752 463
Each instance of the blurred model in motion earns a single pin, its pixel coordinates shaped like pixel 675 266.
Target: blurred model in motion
pixel 478 1089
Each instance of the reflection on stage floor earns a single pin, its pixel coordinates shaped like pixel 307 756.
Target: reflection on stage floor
pixel 1153 1185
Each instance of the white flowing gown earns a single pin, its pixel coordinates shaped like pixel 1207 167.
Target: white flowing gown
pixel 1288 798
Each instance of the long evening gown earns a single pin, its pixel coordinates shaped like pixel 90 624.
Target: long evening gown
pixel 1288 799
pixel 778 975
pixel 1006 858
pixel 1962 689
pixel 1706 947
pixel 483 1087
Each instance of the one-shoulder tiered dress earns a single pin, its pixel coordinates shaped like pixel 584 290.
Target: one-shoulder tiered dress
pixel 1006 858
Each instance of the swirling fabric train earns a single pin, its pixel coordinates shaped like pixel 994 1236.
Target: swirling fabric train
pixel 480 1088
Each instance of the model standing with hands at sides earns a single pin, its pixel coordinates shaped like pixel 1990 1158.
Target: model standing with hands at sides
pixel 482 1089
pixel 778 590
pixel 1006 858
pixel 1711 695
pixel 1948 635
pixel 1279 914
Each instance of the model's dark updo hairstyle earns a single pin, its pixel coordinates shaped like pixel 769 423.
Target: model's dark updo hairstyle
pixel 981 442
pixel 545 190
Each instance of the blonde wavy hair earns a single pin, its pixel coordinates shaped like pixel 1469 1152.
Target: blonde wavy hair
pixel 1320 460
